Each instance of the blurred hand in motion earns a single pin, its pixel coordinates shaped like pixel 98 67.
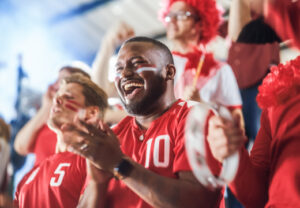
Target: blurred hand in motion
pixel 98 144
pixel 118 34
pixel 47 100
pixel 225 137
pixel 191 93
pixel 5 201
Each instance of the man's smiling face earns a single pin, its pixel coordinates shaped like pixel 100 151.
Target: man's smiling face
pixel 138 76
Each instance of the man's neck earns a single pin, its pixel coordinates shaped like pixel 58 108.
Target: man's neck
pixel 60 145
pixel 145 121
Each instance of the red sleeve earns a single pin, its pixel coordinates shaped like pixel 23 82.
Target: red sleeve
pixel 284 16
pixel 250 185
pixel 284 185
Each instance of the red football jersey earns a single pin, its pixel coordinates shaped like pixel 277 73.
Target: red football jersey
pixel 57 182
pixel 45 144
pixel 160 148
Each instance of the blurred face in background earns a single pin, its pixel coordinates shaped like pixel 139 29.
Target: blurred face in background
pixel 68 100
pixel 182 22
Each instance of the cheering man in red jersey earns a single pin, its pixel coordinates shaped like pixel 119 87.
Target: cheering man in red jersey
pixel 145 151
pixel 36 137
pixel 59 180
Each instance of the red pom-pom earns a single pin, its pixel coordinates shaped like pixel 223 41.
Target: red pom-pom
pixel 281 84
pixel 207 11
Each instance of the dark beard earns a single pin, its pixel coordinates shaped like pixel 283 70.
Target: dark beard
pixel 146 105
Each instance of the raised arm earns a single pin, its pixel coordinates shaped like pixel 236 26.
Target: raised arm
pixel 114 38
pixel 239 16
pixel 26 137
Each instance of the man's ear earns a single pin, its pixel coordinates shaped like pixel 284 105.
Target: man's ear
pixel 92 114
pixel 170 72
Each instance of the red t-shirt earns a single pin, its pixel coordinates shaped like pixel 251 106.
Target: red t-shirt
pixel 270 177
pixel 45 144
pixel 57 182
pixel 160 149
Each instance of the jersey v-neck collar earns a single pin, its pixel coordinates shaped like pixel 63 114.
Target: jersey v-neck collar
pixel 137 126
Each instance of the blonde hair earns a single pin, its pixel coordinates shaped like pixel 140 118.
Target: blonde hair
pixel 94 95
pixel 4 130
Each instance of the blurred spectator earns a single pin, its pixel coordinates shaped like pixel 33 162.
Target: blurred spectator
pixel 35 136
pixel 190 26
pixel 5 200
pixel 59 180
pixel 269 177
pixel 254 50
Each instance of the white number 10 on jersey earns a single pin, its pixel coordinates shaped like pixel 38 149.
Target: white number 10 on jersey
pixel 156 151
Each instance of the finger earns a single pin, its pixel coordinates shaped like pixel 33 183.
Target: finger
pixel 92 129
pixel 216 122
pixel 74 135
pixel 233 132
pixel 89 153
pixel 105 128
pixel 109 132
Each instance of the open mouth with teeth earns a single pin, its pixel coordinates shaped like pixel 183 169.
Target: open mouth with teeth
pixel 131 88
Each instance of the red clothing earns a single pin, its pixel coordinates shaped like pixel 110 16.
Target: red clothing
pixel 242 56
pixel 45 144
pixel 284 16
pixel 57 182
pixel 160 149
pixel 270 177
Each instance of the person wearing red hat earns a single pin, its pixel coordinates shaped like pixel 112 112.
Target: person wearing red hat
pixel 190 25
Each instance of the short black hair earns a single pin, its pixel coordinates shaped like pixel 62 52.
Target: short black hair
pixel 158 44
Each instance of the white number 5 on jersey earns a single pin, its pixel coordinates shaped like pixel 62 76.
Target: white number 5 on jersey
pixel 56 181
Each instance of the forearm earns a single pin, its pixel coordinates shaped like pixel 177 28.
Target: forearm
pixel 94 196
pixel 113 116
pixel 26 137
pixel 239 16
pixel 165 192
pixel 250 186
